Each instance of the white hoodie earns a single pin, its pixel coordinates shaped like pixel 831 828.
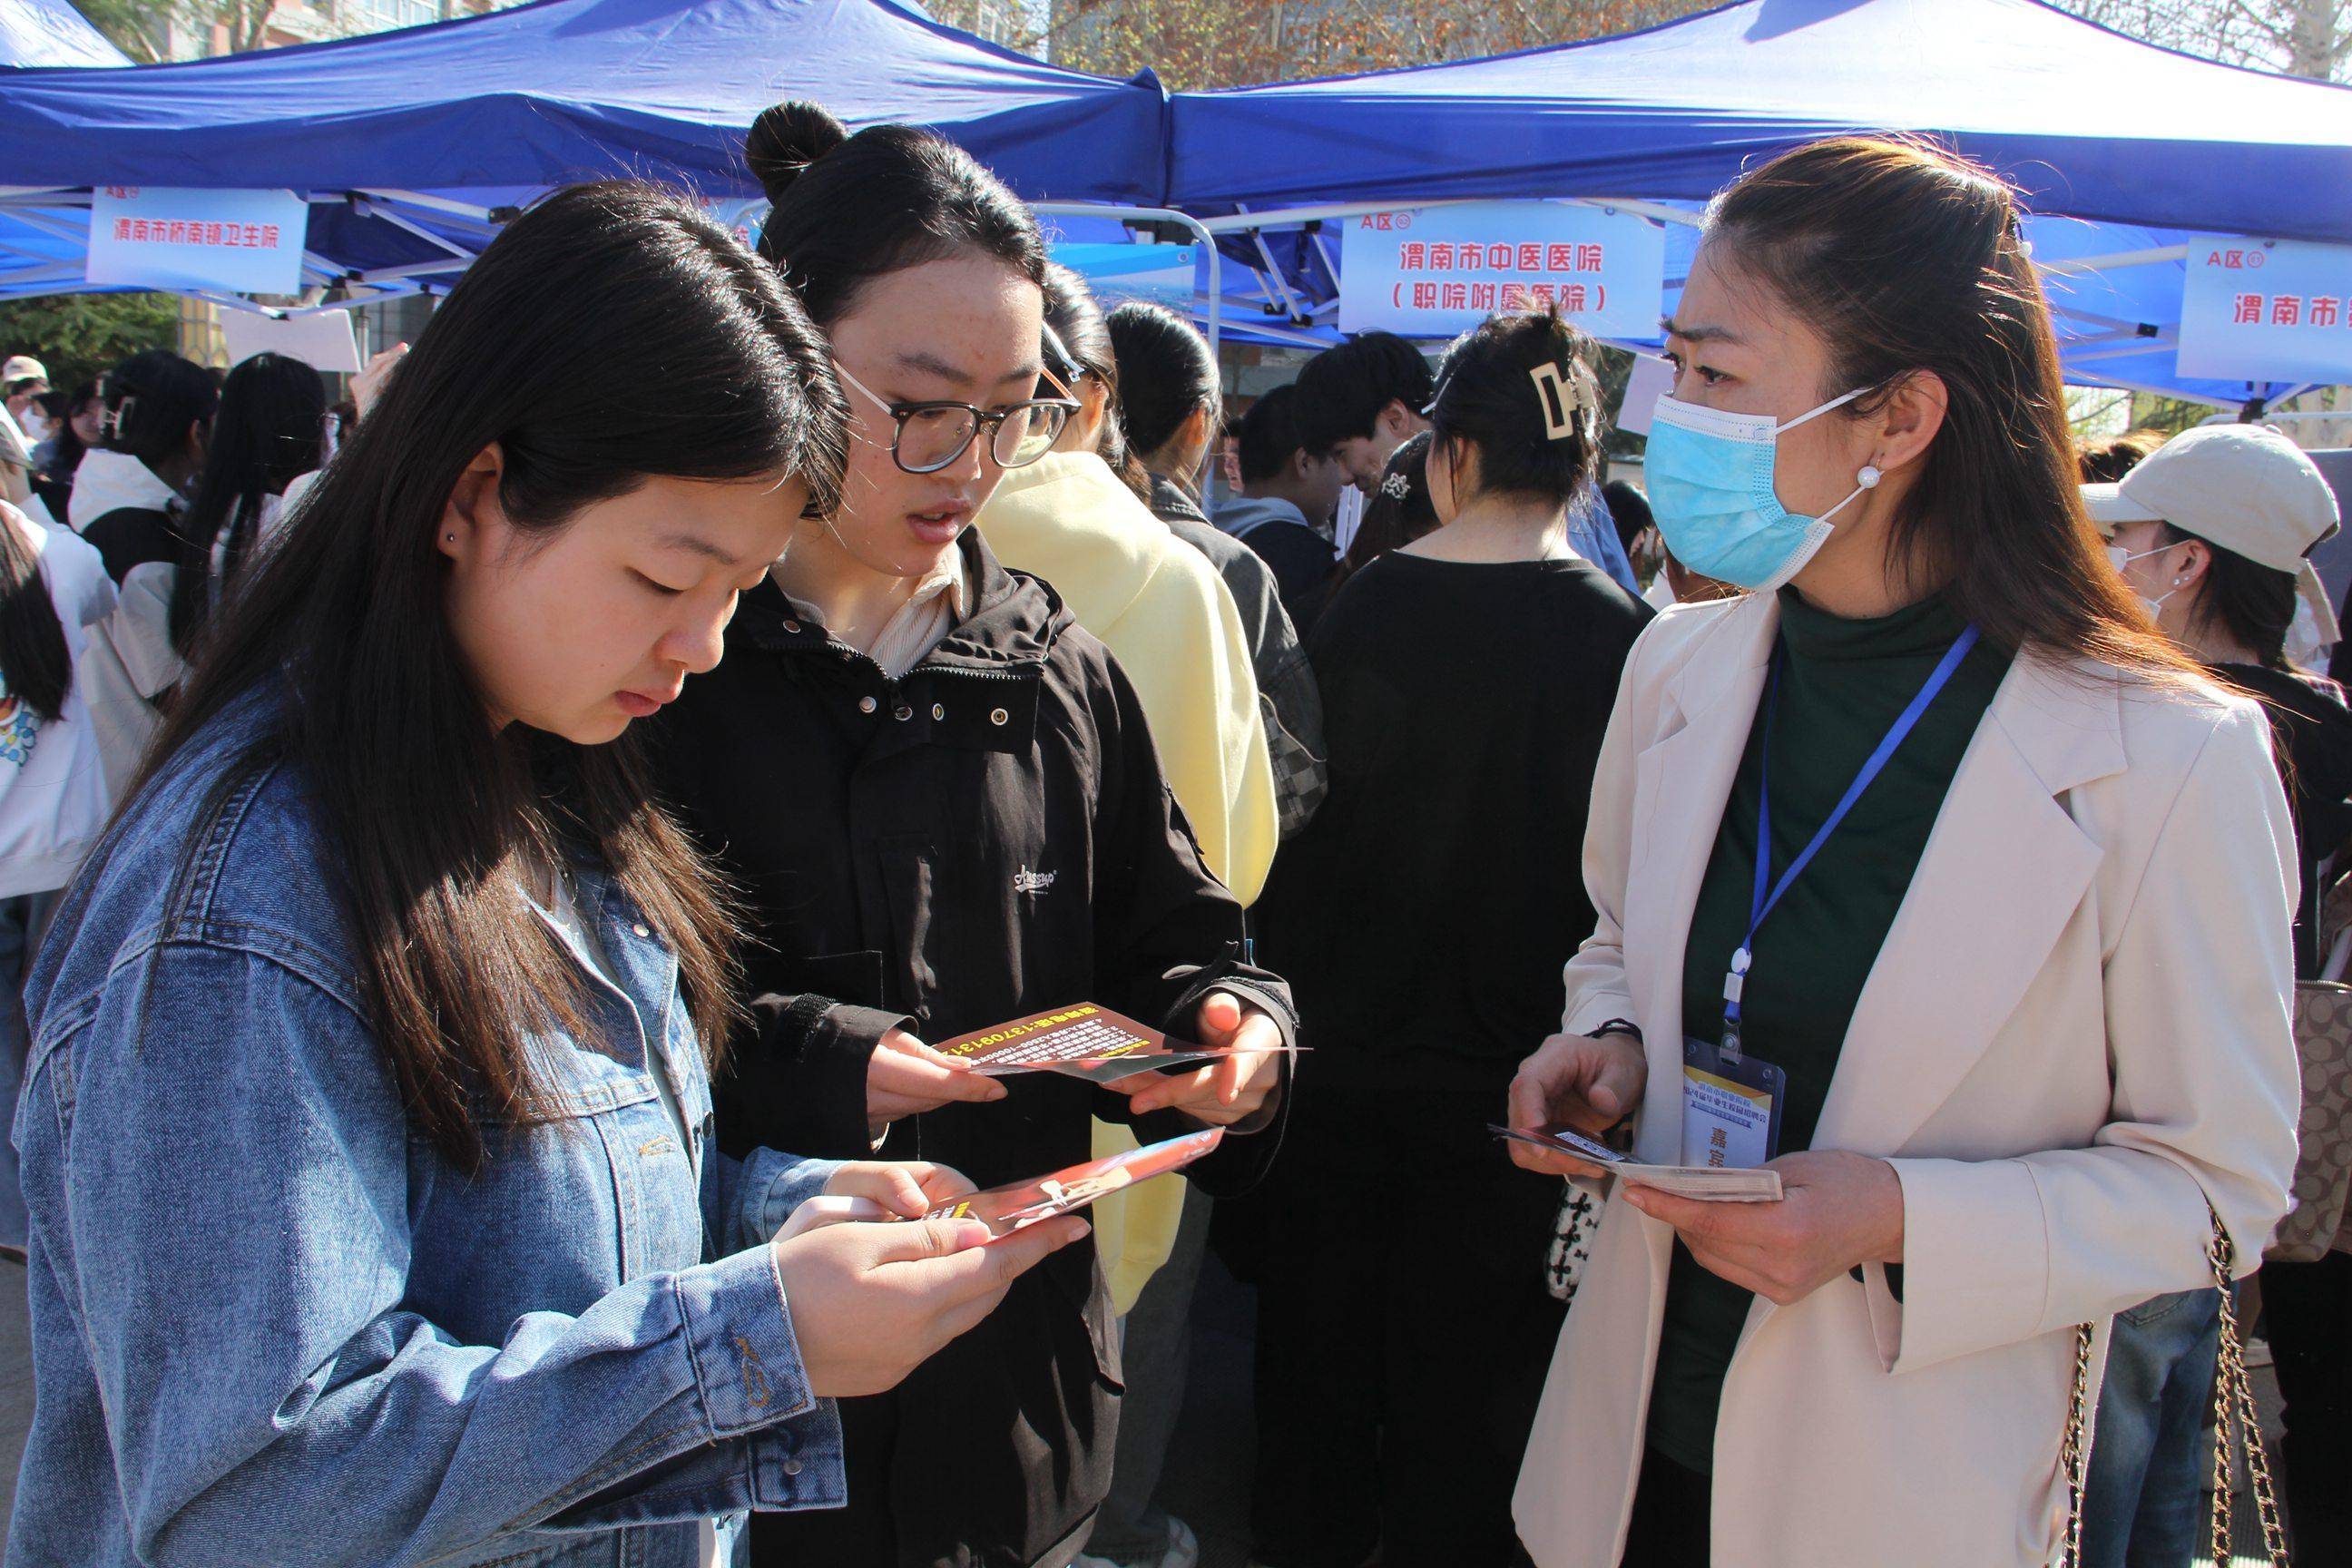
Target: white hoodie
pixel 53 805
pixel 109 481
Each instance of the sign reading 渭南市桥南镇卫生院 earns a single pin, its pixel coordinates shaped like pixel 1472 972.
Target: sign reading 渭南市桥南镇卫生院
pixel 238 242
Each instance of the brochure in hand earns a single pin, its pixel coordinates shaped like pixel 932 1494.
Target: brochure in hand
pixel 1007 1209
pixel 1708 1184
pixel 1083 1040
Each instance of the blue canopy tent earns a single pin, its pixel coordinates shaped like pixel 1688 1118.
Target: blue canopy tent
pixel 2137 147
pixel 408 143
pixel 52 32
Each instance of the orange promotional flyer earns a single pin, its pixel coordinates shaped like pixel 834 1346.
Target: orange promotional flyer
pixel 1085 1040
pixel 1007 1209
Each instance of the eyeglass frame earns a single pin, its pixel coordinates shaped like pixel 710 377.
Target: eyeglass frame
pixel 982 419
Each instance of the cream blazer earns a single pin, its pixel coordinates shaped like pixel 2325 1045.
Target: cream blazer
pixel 2077 1033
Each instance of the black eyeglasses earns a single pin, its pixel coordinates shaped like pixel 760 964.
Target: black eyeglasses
pixel 929 435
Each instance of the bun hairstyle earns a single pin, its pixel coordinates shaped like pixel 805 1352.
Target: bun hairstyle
pixel 1520 390
pixel 847 209
pixel 1075 319
pixel 152 401
pixel 1902 257
pixel 1167 374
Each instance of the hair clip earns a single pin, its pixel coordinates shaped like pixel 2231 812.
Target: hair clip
pixel 1395 487
pixel 1564 404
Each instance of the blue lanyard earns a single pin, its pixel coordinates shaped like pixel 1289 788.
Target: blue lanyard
pixel 1767 892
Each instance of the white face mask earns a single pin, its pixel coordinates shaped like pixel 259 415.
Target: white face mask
pixel 2119 558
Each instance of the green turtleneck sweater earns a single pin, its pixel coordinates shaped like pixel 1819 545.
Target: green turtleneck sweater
pixel 1843 683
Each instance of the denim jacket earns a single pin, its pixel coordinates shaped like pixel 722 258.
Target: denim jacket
pixel 272 1325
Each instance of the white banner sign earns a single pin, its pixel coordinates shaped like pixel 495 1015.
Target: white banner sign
pixel 326 341
pixel 242 242
pixel 2267 310
pixel 1437 271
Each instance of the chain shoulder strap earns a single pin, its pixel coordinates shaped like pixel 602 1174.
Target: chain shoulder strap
pixel 2235 1420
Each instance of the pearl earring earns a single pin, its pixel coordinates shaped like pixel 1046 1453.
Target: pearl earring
pixel 1869 476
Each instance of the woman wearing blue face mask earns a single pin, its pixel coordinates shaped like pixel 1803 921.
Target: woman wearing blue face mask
pixel 1925 873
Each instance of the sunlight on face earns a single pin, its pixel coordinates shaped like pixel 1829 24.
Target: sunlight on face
pixel 966 330
pixel 1735 346
pixel 580 631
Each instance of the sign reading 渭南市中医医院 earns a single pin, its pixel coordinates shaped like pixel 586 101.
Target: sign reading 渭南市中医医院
pixel 2267 310
pixel 239 242
pixel 1431 272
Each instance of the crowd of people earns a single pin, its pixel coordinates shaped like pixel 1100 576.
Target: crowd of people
pixel 477 861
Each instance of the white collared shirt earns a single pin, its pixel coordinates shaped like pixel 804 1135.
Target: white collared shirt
pixel 941 599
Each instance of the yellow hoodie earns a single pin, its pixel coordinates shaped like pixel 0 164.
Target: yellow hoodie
pixel 1163 612
pixel 1169 619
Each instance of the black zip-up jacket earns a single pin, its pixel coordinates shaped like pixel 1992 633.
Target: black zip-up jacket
pixel 986 837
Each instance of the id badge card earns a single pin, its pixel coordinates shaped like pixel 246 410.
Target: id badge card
pixel 1731 1108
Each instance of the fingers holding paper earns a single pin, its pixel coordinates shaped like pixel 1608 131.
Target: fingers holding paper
pixel 1838 1210
pixel 905 1078
pixel 1588 1083
pixel 1232 1089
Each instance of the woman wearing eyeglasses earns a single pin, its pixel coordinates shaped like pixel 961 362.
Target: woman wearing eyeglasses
pixel 943 803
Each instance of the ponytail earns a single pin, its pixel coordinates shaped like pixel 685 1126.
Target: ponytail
pixel 1084 340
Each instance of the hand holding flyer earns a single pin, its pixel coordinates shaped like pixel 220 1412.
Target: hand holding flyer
pixel 1023 1203
pixel 1082 1040
pixel 1706 1184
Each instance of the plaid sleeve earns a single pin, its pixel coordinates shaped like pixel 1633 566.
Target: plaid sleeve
pixel 1291 705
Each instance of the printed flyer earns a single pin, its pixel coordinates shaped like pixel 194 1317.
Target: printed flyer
pixel 1007 1209
pixel 1713 1185
pixel 1083 1040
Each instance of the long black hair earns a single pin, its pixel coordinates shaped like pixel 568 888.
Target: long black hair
pixel 431 815
pixel 268 433
pixel 1083 337
pixel 2252 603
pixel 847 209
pixel 153 401
pixel 1904 258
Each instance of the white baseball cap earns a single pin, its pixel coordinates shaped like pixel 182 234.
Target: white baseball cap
pixel 2245 489
pixel 23 367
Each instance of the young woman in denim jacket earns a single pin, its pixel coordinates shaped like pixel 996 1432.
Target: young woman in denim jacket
pixel 366 1133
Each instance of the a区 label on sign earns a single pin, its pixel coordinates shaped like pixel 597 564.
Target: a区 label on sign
pixel 2267 310
pixel 237 242
pixel 1431 272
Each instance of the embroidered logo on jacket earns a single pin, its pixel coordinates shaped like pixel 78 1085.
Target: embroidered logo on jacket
pixel 1027 881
